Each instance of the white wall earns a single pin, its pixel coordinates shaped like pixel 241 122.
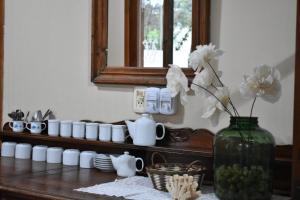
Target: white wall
pixel 47 61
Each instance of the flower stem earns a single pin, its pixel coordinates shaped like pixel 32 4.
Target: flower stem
pixel 252 107
pixel 226 109
pixel 230 102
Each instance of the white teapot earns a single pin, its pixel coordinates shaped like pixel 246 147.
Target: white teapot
pixel 143 131
pixel 126 164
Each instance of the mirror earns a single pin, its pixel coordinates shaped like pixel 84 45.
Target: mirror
pixel 134 41
pixel 151 33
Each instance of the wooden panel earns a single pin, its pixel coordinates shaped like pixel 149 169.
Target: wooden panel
pixel 200 22
pixel 168 25
pixel 39 180
pixel 1 57
pixel 296 138
pixel 136 76
pixel 99 36
pixel 177 141
pixel 132 47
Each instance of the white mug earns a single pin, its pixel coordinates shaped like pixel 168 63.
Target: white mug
pixel 17 126
pixel 36 127
pixel 8 149
pixel 91 131
pixel 118 133
pixel 66 128
pixel 54 155
pixel 71 157
pixel 39 153
pixel 23 151
pixel 53 127
pixel 87 159
pixel 78 130
pixel 105 132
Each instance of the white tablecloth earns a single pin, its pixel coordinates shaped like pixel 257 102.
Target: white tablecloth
pixel 141 188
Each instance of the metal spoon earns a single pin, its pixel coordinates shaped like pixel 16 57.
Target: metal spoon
pixel 26 118
pixel 39 116
pixel 46 114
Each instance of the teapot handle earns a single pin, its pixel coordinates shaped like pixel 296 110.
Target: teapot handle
pixel 164 130
pixel 139 170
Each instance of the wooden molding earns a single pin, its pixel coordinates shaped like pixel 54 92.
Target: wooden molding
pixel 131 31
pixel 136 76
pixel 99 36
pixel 132 74
pixel 1 57
pixel 168 24
pixel 296 138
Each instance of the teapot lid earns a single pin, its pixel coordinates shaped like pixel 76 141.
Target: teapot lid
pixel 125 155
pixel 147 115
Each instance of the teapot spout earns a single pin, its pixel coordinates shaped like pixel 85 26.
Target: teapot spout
pixel 131 128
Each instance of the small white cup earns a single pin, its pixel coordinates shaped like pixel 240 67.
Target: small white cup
pixel 36 127
pixel 53 127
pixel 54 155
pixel 8 149
pixel 23 151
pixel 91 131
pixel 78 130
pixel 66 128
pixel 105 132
pixel 71 157
pixel 118 133
pixel 17 126
pixel 87 159
pixel 39 153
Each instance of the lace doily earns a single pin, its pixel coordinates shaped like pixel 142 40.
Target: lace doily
pixel 141 188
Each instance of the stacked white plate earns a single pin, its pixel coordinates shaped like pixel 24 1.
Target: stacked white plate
pixel 103 162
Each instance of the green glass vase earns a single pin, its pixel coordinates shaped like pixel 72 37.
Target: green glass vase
pixel 243 160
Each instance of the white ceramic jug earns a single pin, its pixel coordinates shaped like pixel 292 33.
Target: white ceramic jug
pixel 143 130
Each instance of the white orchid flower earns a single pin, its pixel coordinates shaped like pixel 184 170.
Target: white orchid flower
pixel 207 79
pixel 177 82
pixel 203 56
pixel 264 83
pixel 214 106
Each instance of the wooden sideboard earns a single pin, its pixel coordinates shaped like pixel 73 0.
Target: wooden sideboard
pixel 25 179
pixel 180 145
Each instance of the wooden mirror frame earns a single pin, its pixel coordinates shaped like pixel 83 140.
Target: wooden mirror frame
pixel 128 75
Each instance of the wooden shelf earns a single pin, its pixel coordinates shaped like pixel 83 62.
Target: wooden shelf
pixel 179 145
pixel 84 144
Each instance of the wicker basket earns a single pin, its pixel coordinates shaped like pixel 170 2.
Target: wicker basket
pixel 161 172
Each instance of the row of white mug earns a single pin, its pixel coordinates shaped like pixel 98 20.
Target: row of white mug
pixel 90 131
pixel 80 130
pixel 54 155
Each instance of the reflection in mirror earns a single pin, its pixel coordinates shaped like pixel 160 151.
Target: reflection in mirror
pixel 182 32
pixel 159 27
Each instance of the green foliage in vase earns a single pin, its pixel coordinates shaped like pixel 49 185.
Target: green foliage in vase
pixel 242 183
